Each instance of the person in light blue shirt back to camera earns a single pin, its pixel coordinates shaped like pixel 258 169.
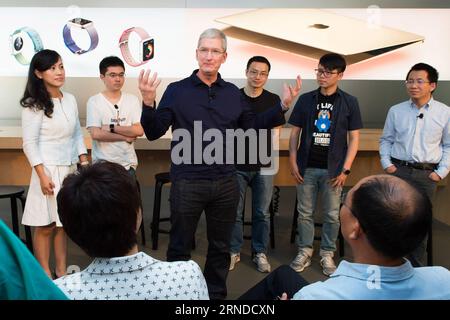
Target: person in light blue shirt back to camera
pixel 383 218
pixel 415 144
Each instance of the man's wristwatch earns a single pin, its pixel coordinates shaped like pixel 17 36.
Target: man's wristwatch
pixel 111 128
pixel 79 23
pixel 346 171
pixel 16 40
pixel 283 107
pixel 146 47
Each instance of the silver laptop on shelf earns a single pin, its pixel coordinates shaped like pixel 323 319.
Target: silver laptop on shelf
pixel 313 32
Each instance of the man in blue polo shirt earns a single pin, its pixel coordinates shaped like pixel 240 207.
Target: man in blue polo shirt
pixel 326 118
pixel 204 105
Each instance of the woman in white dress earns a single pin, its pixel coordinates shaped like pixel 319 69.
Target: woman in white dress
pixel 53 143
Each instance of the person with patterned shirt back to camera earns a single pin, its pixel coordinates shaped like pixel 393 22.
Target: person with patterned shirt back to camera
pixel 100 210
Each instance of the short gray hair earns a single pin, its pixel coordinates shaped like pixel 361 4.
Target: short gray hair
pixel 213 33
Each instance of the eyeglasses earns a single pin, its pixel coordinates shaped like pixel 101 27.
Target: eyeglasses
pixel 115 75
pixel 255 73
pixel 214 52
pixel 419 82
pixel 325 73
pixel 344 200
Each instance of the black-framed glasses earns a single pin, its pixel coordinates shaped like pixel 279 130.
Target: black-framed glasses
pixel 419 82
pixel 324 72
pixel 343 201
pixel 115 75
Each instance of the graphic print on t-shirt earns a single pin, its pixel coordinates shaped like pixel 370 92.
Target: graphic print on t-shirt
pixel 321 137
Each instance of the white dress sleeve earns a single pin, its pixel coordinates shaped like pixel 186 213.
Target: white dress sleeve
pixel 31 127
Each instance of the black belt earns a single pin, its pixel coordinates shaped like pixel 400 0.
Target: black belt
pixel 415 165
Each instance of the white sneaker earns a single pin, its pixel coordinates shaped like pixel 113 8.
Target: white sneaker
pixel 327 263
pixel 301 261
pixel 262 264
pixel 234 258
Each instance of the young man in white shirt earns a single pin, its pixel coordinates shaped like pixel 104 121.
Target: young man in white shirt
pixel 113 118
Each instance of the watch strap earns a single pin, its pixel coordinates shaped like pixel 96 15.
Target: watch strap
pixel 73 47
pixel 37 44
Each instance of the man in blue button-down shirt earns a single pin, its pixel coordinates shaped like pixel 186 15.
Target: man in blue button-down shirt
pixel 200 105
pixel 415 144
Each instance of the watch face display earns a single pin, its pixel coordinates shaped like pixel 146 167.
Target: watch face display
pixel 148 49
pixel 18 43
pixel 80 21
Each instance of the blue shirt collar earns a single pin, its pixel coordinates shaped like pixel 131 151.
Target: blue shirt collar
pixel 427 105
pixel 364 271
pixel 196 80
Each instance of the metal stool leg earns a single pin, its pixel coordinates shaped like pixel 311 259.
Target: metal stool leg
pixel 28 236
pixel 294 222
pixel 142 227
pixel 156 215
pixel 272 228
pixel 430 246
pixel 15 217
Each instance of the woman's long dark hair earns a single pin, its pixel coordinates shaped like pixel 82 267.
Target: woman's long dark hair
pixel 36 95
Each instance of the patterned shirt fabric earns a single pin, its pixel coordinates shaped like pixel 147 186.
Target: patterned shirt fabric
pixel 136 277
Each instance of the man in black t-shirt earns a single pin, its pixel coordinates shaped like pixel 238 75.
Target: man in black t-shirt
pixel 326 118
pixel 249 173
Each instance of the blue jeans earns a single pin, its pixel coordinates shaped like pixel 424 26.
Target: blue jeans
pixel 316 180
pixel 262 188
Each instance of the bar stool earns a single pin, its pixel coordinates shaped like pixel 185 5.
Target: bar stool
pixel 273 208
pixel 142 227
pixel 160 180
pixel 319 225
pixel 17 193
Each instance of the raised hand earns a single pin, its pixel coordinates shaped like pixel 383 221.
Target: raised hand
pixel 147 86
pixel 290 92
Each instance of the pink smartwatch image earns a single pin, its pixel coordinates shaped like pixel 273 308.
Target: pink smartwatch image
pixel 146 47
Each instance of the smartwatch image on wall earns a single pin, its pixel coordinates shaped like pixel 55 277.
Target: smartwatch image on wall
pixel 146 47
pixel 17 43
pixel 79 23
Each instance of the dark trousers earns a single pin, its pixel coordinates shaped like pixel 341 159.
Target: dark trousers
pixel 219 199
pixel 420 179
pixel 281 280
